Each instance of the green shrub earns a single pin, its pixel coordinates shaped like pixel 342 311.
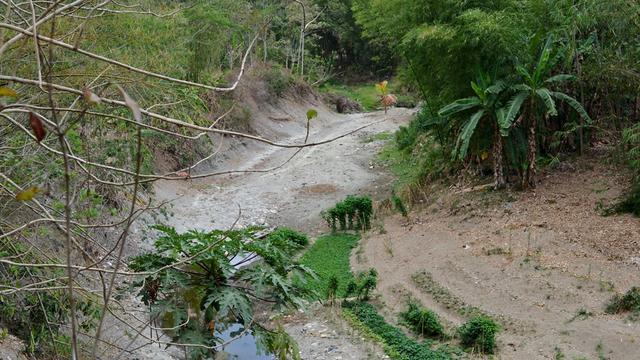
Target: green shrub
pixel 479 334
pixel 289 235
pixel 402 345
pixel 363 284
pixel 629 302
pixel 630 204
pixel 353 213
pixel 422 321
pixel 277 81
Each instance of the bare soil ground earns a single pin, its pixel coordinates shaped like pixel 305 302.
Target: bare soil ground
pixel 296 191
pixel 544 263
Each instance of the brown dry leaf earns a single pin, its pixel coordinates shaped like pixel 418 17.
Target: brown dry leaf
pixel 389 100
pixel 28 194
pixel 38 128
pixel 131 104
pixel 90 97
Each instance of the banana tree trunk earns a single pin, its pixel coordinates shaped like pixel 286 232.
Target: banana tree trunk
pixel 498 159
pixel 530 180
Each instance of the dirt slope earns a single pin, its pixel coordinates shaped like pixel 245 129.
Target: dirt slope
pixel 295 193
pixel 544 263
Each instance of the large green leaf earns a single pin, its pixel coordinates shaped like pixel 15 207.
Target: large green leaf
pixel 478 90
pixel 467 133
pixel 231 301
pixel 505 127
pixel 525 74
pixel 549 104
pixel 575 105
pixel 513 108
pixel 543 62
pixel 497 88
pixel 459 106
pixel 560 78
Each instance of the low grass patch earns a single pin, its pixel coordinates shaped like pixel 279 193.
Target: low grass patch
pixel 627 303
pixel 366 94
pixel 329 257
pixel 396 343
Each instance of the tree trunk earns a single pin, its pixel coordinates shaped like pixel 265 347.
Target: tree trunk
pixel 498 159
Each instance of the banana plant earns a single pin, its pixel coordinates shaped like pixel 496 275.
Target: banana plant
pixel 534 99
pixel 483 107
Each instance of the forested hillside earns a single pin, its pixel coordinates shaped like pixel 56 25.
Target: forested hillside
pixel 122 122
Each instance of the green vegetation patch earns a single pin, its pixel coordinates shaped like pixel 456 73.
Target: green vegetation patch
pixel 401 346
pixel 329 257
pixel 479 334
pixel 367 95
pixel 353 213
pixel 629 302
pixel 422 321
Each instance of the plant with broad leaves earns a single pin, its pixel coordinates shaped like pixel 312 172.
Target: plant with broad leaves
pixel 484 107
pixel 534 100
pixel 204 282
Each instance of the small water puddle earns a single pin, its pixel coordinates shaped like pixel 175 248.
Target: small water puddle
pixel 243 348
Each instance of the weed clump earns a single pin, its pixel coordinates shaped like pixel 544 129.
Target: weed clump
pixel 285 234
pixel 629 302
pixel 362 285
pixel 479 334
pixel 353 213
pixel 422 321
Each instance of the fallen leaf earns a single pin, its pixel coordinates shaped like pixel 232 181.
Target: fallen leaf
pixel 90 97
pixel 28 194
pixel 4 91
pixel 37 127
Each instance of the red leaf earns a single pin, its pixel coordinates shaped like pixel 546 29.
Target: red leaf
pixel 37 127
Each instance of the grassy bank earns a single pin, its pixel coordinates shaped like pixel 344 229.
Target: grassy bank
pixel 328 257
